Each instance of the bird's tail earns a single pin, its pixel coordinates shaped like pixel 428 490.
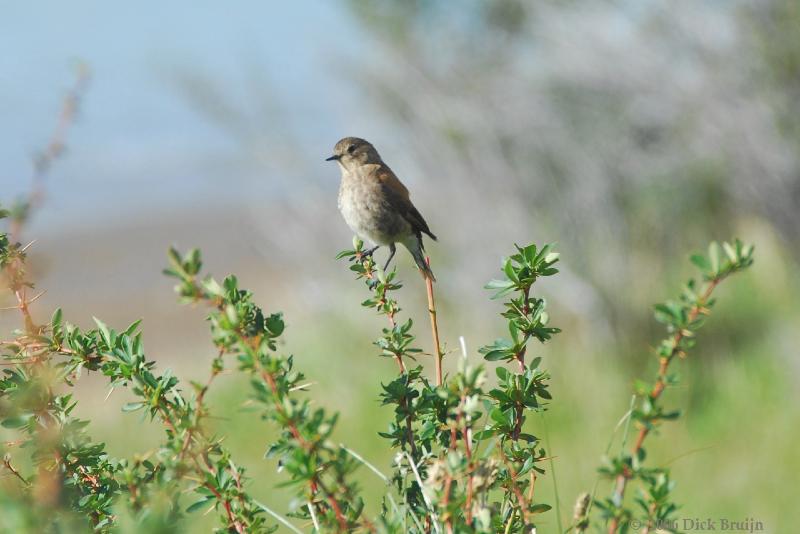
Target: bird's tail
pixel 414 245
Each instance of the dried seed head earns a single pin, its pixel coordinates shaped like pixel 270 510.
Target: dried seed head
pixel 581 506
pixel 437 473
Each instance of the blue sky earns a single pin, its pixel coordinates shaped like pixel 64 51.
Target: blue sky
pixel 137 135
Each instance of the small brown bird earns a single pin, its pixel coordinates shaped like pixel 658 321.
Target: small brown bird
pixel 376 205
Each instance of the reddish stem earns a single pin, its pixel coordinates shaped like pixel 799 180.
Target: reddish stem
pixel 655 393
pixel 523 503
pixel 434 326
pixel 228 511
pixel 445 500
pixel 467 435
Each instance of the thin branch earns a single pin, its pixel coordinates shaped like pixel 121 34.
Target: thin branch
pixel 434 326
pixel 337 510
pixel 7 464
pixel 226 503
pixel 448 522
pixel 658 388
pixel 369 270
pixel 521 500
pixel 54 148
pixel 200 408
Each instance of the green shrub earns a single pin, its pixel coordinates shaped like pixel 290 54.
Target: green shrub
pixel 465 460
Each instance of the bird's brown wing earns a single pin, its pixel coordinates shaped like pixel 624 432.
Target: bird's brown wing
pixel 398 197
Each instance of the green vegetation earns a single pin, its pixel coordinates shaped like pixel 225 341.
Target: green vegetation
pixel 465 458
pixel 624 163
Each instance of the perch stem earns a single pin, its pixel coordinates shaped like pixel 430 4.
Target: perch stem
pixel 434 326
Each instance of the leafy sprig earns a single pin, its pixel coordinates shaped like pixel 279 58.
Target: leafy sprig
pixel 683 317
pixel 453 473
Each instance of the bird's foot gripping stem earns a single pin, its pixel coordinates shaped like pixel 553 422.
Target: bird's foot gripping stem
pixel 369 252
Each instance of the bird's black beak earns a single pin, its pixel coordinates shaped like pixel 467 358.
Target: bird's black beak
pixel 333 158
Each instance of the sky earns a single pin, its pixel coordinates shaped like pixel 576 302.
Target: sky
pixel 138 142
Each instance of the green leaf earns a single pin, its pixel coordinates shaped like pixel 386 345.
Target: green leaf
pixel 539 508
pixel 133 406
pixel 701 262
pixel 175 259
pixel 502 373
pixel 14 422
pixel 132 328
pixel 508 268
pixel 193 262
pixel 55 322
pixel 714 256
pixel 105 333
pixel 199 504
pixel 498 415
pixel 495 355
pixel 730 252
pixel 552 257
pixel 498 284
pixel 484 434
pixel 665 314
pixel 274 323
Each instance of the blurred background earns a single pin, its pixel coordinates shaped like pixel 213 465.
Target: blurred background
pixel 630 132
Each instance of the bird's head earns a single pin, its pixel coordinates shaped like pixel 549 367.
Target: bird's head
pixel 351 152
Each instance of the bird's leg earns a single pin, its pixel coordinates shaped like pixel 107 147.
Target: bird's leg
pixel 392 250
pixel 369 252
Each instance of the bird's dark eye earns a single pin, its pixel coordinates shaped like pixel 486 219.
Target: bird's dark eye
pixel 351 149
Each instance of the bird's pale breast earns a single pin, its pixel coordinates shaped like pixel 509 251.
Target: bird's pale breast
pixel 367 211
